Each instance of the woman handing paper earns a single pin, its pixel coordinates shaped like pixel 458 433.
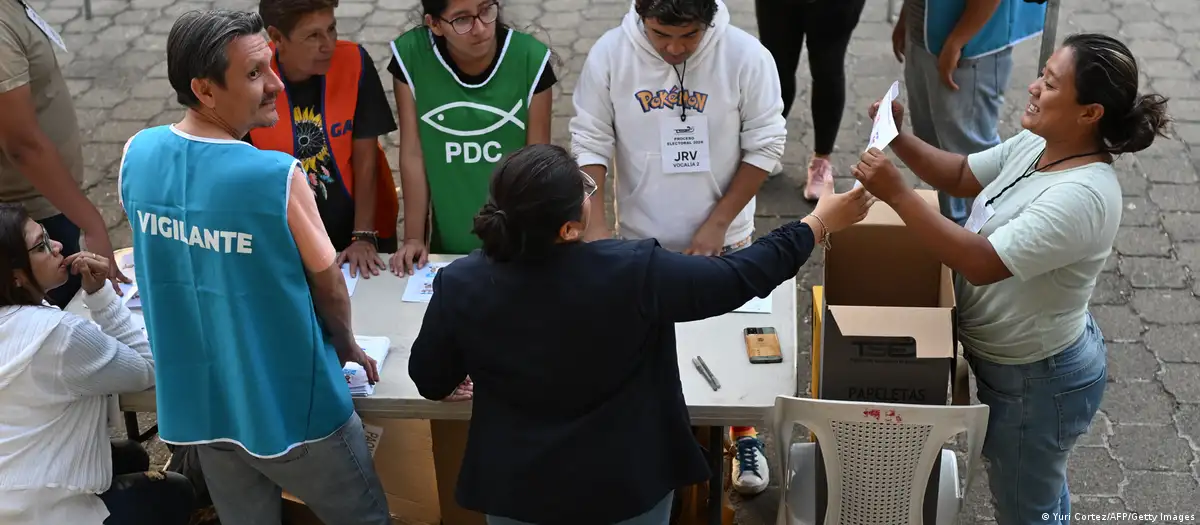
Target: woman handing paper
pixel 1047 208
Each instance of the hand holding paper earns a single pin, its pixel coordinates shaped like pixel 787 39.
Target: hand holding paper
pixel 886 124
pixel 884 128
pixel 881 178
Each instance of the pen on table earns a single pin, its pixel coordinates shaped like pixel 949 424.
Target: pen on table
pixel 704 371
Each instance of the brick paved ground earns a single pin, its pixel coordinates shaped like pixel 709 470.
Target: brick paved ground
pixel 1141 454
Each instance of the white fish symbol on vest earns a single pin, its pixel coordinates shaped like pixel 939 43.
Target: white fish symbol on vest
pixel 436 115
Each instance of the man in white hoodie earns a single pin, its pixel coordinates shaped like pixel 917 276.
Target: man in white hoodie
pixel 687 109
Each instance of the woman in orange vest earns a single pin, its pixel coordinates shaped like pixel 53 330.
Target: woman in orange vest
pixel 331 114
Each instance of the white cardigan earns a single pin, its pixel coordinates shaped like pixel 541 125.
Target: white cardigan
pixel 56 371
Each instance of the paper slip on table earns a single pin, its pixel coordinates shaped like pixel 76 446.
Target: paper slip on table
pixel 746 395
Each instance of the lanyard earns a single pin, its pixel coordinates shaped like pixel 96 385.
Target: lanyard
pixel 1034 169
pixel 682 91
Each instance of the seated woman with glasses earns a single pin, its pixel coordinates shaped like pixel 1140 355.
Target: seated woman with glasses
pixel 578 413
pixel 57 464
pixel 469 90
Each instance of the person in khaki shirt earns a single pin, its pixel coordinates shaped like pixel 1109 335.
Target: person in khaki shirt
pixel 41 165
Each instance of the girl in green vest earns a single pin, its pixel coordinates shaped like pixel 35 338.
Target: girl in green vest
pixel 469 89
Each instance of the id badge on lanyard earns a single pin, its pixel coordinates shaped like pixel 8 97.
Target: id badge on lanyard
pixel 981 212
pixel 46 29
pixel 684 145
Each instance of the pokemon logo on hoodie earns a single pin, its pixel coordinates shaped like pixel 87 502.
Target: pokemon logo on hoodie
pixel 634 110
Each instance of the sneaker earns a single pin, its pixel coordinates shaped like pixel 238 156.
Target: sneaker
pixel 820 174
pixel 750 474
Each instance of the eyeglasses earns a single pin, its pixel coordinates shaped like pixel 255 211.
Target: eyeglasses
pixel 589 185
pixel 44 244
pixel 464 24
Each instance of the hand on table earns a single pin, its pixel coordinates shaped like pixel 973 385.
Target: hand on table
pixel 412 254
pixel 351 352
pixel 464 392
pixel 363 259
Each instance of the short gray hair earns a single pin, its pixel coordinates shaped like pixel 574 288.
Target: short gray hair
pixel 196 47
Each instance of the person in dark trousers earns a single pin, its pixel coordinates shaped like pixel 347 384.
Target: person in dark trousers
pixel 783 26
pixel 579 416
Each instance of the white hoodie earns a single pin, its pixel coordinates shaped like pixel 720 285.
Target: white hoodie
pixel 735 85
pixel 56 371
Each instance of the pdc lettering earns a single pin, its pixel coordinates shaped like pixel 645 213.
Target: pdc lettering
pixel 473 152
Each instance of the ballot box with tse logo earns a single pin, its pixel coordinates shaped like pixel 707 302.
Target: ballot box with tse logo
pixel 888 323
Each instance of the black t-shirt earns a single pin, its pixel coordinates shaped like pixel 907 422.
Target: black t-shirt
pixel 372 118
pixel 547 80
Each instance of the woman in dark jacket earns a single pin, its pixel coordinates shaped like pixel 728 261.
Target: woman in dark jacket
pixel 579 416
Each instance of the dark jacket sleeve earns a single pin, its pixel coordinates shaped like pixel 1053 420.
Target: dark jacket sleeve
pixel 436 362
pixel 681 288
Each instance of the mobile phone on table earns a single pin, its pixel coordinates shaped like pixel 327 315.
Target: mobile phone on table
pixel 762 345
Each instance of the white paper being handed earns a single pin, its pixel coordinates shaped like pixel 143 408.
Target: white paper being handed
pixel 883 130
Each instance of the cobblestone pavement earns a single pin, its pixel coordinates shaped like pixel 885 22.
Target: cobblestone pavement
pixel 1141 453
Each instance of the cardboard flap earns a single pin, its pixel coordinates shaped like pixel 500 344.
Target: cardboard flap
pixel 929 327
pixel 883 215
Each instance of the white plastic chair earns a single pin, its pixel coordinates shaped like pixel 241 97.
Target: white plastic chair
pixel 877 457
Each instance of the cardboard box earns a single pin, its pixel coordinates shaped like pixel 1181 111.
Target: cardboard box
pixel 888 331
pixel 884 325
pixel 449 443
pixel 402 451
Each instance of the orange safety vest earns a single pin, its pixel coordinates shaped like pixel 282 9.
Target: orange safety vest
pixel 337 116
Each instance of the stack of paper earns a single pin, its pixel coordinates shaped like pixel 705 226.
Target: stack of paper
pixel 356 376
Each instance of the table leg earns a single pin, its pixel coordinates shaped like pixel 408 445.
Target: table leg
pixel 716 485
pixel 133 432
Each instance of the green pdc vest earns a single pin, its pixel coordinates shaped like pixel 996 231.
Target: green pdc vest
pixel 466 129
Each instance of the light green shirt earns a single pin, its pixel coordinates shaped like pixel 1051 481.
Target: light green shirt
pixel 1054 231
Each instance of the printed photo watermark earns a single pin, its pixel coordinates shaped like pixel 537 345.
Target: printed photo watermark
pixel 1152 517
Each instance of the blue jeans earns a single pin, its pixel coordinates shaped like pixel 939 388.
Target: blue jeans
pixel 659 515
pixel 962 121
pixel 1038 411
pixel 335 477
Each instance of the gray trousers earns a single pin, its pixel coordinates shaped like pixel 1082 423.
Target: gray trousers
pixel 335 477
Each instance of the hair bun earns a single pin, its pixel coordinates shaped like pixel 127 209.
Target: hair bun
pixel 1146 120
pixel 494 211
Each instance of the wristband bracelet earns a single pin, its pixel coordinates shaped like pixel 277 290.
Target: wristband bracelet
pixel 824 231
pixel 369 236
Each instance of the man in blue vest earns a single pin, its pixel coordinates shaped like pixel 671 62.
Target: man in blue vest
pixel 957 58
pixel 247 312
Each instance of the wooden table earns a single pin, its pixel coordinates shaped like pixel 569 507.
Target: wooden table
pixel 746 395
